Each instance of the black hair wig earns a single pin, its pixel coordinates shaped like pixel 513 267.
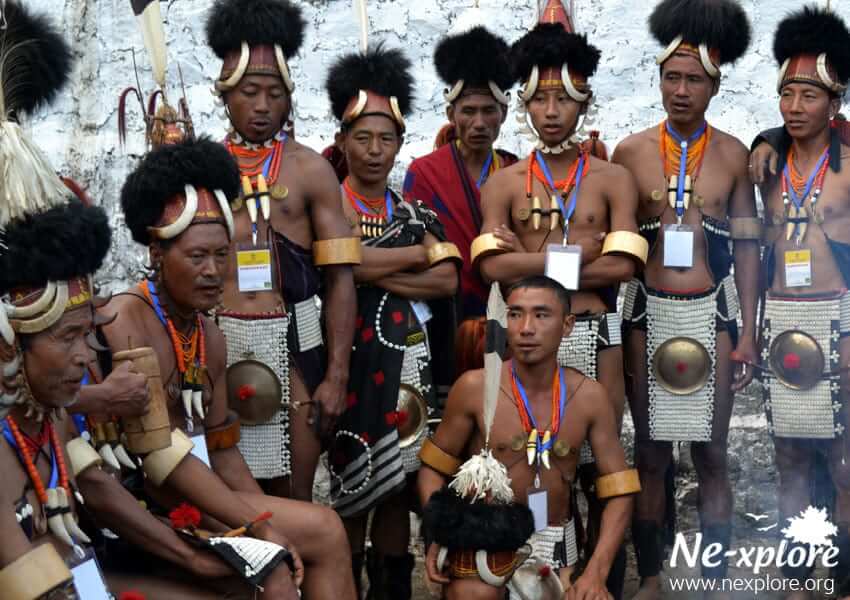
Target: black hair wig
pixel 385 72
pixel 721 25
pixel 549 45
pixel 36 60
pixel 814 30
pixel 66 241
pixel 164 173
pixel 258 22
pixel 476 56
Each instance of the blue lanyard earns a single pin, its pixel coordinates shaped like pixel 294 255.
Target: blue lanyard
pixel 80 419
pixel 563 400
pixel 156 306
pixel 798 200
pixel 683 161
pixel 568 211
pixel 388 203
pixel 485 170
pixel 54 471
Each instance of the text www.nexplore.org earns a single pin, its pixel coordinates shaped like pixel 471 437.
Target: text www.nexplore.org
pixel 755 585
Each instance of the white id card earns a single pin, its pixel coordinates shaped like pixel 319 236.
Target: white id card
pixel 89 581
pixel 563 264
pixel 422 311
pixel 678 246
pixel 798 268
pixel 254 269
pixel 538 504
pixel 200 449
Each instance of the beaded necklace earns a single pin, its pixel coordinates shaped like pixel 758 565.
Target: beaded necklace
pixel 538 169
pixel 262 164
pixel 540 441
pixel 796 190
pixel 683 158
pixel 375 213
pixel 53 497
pixel 190 353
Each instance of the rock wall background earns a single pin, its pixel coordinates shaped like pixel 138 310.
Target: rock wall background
pixel 80 131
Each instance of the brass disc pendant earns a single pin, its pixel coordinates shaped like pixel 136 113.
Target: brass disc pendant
pixel 657 195
pixel 518 443
pixel 699 201
pixel 561 449
pixel 236 204
pixel 279 191
pixel 523 213
pixel 817 216
pixel 778 219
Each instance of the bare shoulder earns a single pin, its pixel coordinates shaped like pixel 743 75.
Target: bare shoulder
pixel 127 307
pixel 613 171
pixel 215 342
pixel 587 393
pixel 734 154
pixel 508 173
pixel 466 393
pixel 310 163
pixel 635 145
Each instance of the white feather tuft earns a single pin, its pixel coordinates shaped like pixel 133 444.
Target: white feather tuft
pixel 482 477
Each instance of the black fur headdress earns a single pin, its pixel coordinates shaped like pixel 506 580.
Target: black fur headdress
pixel 36 60
pixel 815 31
pixel 258 22
pixel 165 172
pixel 64 242
pixel 722 25
pixel 384 72
pixel 549 45
pixel 476 56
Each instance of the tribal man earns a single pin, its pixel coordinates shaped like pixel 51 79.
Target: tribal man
pixel 476 67
pixel 584 232
pixel 680 316
pixel 807 307
pixel 541 416
pixel 406 262
pixel 289 203
pixel 176 203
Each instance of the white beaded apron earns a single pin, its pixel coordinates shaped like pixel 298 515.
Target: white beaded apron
pixel 416 358
pixel 579 350
pixel 265 447
pixel 812 413
pixel 555 546
pixel 684 418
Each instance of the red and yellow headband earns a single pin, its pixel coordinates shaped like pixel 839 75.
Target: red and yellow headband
pixel 194 206
pixel 254 60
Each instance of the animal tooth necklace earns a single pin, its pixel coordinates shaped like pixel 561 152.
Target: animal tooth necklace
pixel 540 441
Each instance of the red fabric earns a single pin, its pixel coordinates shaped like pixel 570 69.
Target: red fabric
pixel 435 180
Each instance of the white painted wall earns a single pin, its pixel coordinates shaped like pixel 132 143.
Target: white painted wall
pixel 80 131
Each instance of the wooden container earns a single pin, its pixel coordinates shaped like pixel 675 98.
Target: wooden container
pixel 152 431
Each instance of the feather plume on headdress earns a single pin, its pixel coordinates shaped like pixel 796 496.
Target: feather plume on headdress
pixel 35 63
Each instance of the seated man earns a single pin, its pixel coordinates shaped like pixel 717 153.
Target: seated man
pixel 176 202
pixel 547 412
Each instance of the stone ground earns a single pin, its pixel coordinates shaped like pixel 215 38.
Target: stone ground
pixel 754 479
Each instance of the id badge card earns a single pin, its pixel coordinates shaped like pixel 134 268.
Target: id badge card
pixel 254 268
pixel 678 246
pixel 422 311
pixel 538 504
pixel 199 450
pixel 563 264
pixel 798 268
pixel 88 579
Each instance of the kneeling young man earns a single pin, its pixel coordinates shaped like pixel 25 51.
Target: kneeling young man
pixel 543 414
